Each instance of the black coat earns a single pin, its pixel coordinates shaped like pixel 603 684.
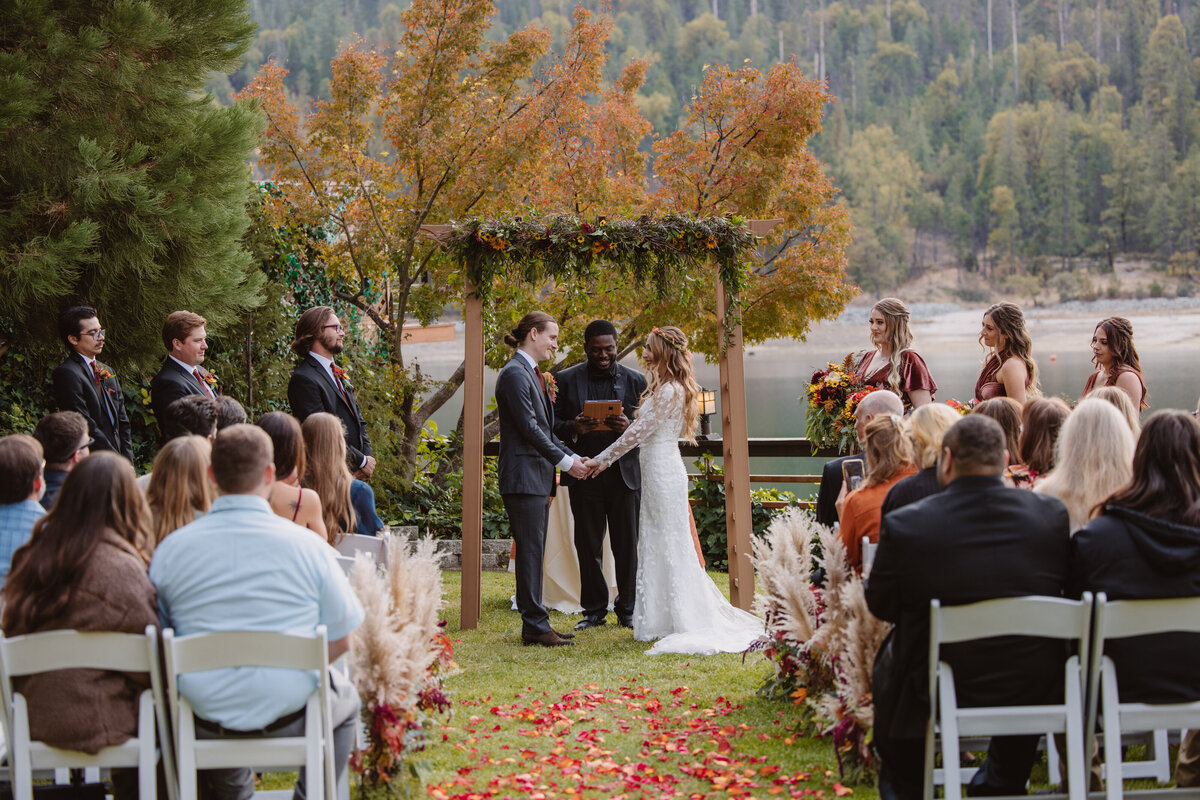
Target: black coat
pixel 171 383
pixel 312 390
pixel 831 485
pixel 975 540
pixel 628 386
pixel 1130 556
pixel 103 406
pixel 911 489
pixel 529 450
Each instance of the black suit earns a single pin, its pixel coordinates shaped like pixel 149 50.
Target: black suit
pixel 529 452
pixel 171 383
pixel 611 499
pixel 975 540
pixel 831 486
pixel 102 404
pixel 311 389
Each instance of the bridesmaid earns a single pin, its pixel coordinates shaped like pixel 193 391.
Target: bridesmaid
pixel 893 364
pixel 1116 361
pixel 1009 370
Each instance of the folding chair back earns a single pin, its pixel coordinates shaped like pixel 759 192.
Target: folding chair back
pixel 868 551
pixel 208 651
pixel 56 650
pixel 1118 619
pixel 354 543
pixel 1048 617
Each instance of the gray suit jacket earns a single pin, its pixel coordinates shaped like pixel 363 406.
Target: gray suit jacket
pixel 529 450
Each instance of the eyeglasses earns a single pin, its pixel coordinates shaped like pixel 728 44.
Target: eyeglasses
pixel 86 445
pixel 96 334
pixel 337 328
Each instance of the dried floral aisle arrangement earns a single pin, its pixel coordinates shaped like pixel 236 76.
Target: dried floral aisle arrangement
pixel 400 656
pixel 822 638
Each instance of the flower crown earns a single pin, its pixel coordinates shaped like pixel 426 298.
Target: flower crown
pixel 675 340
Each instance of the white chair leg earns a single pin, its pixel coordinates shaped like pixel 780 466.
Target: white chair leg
pixel 18 751
pixel 186 761
pixel 147 773
pixel 1077 771
pixel 948 721
pixel 1052 761
pixel 1114 785
pixel 1161 756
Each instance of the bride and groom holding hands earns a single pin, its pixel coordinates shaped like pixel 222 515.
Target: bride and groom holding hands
pixel 663 592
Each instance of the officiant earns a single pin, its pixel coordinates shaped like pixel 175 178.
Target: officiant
pixel 609 500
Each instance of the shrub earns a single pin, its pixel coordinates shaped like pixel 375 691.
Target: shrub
pixel 708 509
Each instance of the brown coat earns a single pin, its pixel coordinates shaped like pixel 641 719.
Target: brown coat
pixel 89 709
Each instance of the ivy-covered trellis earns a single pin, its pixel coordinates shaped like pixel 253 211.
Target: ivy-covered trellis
pixel 648 250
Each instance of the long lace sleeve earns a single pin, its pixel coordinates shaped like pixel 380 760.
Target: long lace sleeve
pixel 660 408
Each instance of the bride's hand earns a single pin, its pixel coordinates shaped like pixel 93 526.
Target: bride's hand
pixel 595 468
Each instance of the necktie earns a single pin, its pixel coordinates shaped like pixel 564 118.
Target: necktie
pixel 207 389
pixel 100 390
pixel 96 375
pixel 541 379
pixel 338 382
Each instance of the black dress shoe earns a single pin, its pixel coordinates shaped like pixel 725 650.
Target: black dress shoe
pixel 547 639
pixel 589 622
pixel 625 622
pixel 563 634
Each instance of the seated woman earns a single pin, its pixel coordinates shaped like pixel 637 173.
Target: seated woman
pixel 1121 400
pixel 889 459
pixel 180 490
pixel 288 499
pixel 327 474
pixel 1041 421
pixel 85 570
pixel 1009 369
pixel 926 427
pixel 893 364
pixel 1094 460
pixel 1007 412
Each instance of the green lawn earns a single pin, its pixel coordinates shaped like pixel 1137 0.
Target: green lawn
pixel 602 719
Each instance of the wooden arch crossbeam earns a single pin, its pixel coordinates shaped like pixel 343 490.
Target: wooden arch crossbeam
pixel 735 435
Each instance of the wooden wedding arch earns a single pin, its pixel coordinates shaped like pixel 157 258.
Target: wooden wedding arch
pixel 735 443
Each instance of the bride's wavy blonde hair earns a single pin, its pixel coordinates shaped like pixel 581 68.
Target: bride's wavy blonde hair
pixel 673 362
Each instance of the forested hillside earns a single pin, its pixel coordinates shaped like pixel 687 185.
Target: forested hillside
pixel 1016 138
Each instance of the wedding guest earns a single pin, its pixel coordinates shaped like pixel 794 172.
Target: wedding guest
pixel 1094 460
pixel 83 384
pixel 607 503
pixel 85 570
pixel 889 460
pixel 185 339
pixel 832 479
pixel 229 412
pixel 65 442
pixel 180 490
pixel 893 364
pixel 319 385
pixel 193 415
pixel 288 498
pixel 21 485
pixel 1146 544
pixel 1041 421
pixel 326 473
pixel 1121 400
pixel 1009 369
pixel 1116 361
pixel 1007 412
pixel 925 426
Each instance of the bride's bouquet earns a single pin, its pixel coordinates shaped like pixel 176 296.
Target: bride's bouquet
pixel 832 397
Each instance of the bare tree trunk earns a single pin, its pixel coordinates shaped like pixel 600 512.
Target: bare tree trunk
pixel 1016 66
pixel 716 11
pixel 821 42
pixel 780 42
pixel 853 89
pixel 753 8
pixel 989 33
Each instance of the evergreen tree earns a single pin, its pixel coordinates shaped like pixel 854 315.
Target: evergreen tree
pixel 124 186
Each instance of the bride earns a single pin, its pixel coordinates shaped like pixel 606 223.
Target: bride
pixel 676 602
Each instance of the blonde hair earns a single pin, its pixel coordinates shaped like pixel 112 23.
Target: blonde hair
pixel 899 337
pixel 888 449
pixel 327 473
pixel 1093 459
pixel 1124 404
pixel 672 362
pixel 179 485
pixel 926 427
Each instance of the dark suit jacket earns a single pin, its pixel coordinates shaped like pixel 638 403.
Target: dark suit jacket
pixel 831 486
pixel 628 386
pixel 311 390
pixel 911 489
pixel 104 406
pixel 1131 556
pixel 171 383
pixel 975 540
pixel 529 450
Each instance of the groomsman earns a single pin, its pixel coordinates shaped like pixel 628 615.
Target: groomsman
pixel 319 384
pixel 611 499
pixel 186 342
pixel 83 384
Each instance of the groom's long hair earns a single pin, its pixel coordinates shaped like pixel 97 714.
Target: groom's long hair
pixel 673 364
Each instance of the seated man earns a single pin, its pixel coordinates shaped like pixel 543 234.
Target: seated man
pixel 975 540
pixel 874 404
pixel 65 440
pixel 242 567
pixel 21 485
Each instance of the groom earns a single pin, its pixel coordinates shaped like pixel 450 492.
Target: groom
pixel 529 454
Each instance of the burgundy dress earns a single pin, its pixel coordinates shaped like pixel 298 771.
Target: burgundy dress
pixel 1091 384
pixel 987 386
pixel 914 375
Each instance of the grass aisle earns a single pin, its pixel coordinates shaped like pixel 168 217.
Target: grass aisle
pixel 602 719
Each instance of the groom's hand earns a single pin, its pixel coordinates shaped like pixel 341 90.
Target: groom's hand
pixel 578 470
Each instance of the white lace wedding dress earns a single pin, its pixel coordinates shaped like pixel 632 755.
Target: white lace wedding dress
pixel 677 603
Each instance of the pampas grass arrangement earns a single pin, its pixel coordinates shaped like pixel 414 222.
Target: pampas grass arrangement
pixel 399 657
pixel 822 638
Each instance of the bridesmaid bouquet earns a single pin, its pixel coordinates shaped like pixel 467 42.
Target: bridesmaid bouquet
pixel 832 397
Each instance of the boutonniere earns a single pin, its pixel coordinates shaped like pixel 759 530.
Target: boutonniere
pixel 211 380
pixel 104 372
pixel 551 386
pixel 340 374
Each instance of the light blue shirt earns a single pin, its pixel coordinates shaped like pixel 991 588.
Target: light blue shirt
pixel 242 567
pixel 16 525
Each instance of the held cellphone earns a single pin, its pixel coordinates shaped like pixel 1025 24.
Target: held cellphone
pixel 853 473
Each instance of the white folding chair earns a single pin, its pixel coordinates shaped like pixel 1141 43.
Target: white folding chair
pixel 868 551
pixel 345 562
pixel 206 651
pixel 355 543
pixel 1049 617
pixel 54 650
pixel 1117 619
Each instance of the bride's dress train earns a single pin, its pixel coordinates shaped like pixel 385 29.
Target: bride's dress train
pixel 677 603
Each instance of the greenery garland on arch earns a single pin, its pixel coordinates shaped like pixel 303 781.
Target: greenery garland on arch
pixel 646 249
